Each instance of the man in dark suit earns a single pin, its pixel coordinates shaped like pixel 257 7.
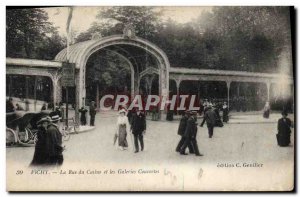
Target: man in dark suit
pixel 284 130
pixel 92 113
pixel 54 142
pixel 210 119
pixel 191 135
pixel 82 112
pixel 181 131
pixel 138 127
pixel 225 112
pixel 40 156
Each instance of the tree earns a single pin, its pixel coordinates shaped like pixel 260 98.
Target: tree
pixel 252 37
pixel 30 35
pixel 111 21
pixel 106 69
pixel 231 38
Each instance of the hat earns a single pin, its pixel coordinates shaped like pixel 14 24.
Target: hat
pixel 187 112
pixel 44 119
pixel 55 118
pixel 284 113
pixel 122 111
pixel 193 112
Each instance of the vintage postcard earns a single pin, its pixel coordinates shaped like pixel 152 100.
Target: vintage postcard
pixel 140 98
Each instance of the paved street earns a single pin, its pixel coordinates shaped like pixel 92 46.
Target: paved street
pixel 250 143
pixel 232 142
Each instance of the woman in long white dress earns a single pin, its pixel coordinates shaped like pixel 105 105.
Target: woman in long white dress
pixel 122 129
pixel 266 110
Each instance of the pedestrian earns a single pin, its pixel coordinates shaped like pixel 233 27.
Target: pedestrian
pixel 27 105
pixel 10 106
pixel 54 142
pixel 44 107
pixel 19 107
pixel 41 155
pixel 170 113
pixel 225 112
pixel 210 119
pixel 201 109
pixel 138 127
pixel 62 112
pixel 57 112
pixel 181 131
pixel 155 113
pixel 122 129
pixel 129 115
pixel 284 130
pixel 190 135
pixel 82 112
pixel 266 113
pixel 50 106
pixel 205 105
pixel 92 113
pixel 219 122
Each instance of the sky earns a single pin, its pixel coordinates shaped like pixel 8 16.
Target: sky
pixel 83 17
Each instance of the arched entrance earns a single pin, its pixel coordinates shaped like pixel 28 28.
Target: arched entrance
pixel 126 46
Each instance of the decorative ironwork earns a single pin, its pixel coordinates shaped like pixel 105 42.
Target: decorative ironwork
pixel 129 32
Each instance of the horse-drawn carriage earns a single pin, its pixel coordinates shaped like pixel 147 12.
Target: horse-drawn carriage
pixel 21 127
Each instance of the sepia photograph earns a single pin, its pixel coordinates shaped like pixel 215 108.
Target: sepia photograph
pixel 150 98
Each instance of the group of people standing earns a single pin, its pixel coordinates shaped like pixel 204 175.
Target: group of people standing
pixel 133 122
pixel 217 107
pixel 188 132
pixel 60 110
pixel 92 113
pixel 10 106
pixel 188 128
pixel 48 148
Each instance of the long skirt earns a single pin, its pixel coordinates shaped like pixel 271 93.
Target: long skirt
pixel 266 114
pixel 122 136
pixel 283 140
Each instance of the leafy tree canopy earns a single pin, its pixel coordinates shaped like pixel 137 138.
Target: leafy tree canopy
pixel 30 35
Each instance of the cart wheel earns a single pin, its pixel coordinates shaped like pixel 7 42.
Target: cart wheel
pixel 35 138
pixel 26 139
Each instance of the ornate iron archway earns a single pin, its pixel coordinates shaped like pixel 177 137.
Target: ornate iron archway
pixel 79 54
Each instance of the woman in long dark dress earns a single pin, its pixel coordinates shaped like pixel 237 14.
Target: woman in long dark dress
pixel 284 130
pixel 41 156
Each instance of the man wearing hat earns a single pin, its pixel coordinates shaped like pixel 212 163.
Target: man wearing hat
pixel 138 127
pixel 54 142
pixel 225 112
pixel 41 156
pixel 181 131
pixel 210 119
pixel 190 135
pixel 284 130
pixel 92 113
pixel 82 112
